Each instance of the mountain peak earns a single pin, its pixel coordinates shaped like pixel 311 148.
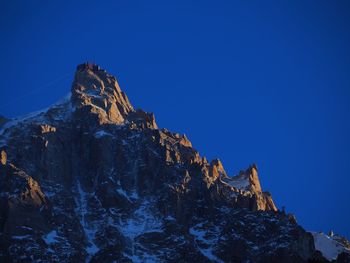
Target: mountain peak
pixel 91 179
pixel 94 90
pixel 88 66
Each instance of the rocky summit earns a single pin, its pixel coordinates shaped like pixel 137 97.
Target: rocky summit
pixel 91 179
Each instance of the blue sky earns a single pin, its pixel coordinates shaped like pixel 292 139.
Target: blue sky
pixel 247 81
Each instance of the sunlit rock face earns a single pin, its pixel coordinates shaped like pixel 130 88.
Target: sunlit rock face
pixel 91 179
pixel 96 92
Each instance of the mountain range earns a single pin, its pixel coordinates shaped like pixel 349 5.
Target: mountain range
pixel 91 179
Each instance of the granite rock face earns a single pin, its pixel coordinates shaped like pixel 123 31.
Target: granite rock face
pixel 93 180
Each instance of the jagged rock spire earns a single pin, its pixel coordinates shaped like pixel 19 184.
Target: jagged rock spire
pixel 96 91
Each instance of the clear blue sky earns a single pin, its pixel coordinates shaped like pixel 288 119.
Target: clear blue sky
pixel 247 81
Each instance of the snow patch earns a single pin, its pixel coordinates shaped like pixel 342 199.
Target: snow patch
pixel 21 237
pixel 329 247
pixel 123 193
pixel 205 241
pixel 50 238
pixel 63 105
pixel 90 231
pixel 101 133
pixel 142 221
pixel 240 182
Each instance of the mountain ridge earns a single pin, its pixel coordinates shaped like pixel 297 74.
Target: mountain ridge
pixel 132 190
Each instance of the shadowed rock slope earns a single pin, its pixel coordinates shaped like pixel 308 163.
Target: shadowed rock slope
pixel 91 179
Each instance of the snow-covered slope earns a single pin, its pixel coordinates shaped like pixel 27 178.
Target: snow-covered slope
pixel 329 246
pixel 57 112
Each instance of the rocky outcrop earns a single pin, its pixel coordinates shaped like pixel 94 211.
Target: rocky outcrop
pixel 248 185
pixel 23 207
pixel 3 157
pixel 92 179
pixel 97 92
